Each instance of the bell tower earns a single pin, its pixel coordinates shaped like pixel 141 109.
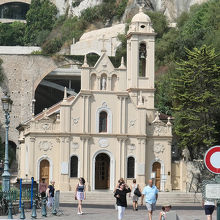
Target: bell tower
pixel 140 60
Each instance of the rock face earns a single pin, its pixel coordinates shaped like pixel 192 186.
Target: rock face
pixel 171 8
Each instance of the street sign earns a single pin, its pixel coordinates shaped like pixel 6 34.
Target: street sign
pixel 212 159
pixel 212 191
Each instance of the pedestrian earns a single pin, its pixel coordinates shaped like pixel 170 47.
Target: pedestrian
pixel 42 188
pixel 209 207
pixel 121 180
pixel 134 196
pixel 151 194
pixel 80 194
pixel 165 208
pixel 50 194
pixel 121 199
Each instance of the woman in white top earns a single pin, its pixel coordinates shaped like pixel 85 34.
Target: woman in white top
pixel 133 196
pixel 209 207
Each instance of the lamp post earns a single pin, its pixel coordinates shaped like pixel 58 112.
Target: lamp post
pixel 6 104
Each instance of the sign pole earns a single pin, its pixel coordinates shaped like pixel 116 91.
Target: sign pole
pixel 217 178
pixel 218 211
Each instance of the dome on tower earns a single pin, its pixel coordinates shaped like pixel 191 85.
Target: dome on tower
pixel 141 17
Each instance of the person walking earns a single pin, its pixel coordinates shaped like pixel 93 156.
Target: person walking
pixel 80 194
pixel 121 199
pixel 151 194
pixel 50 193
pixel 42 188
pixel 133 196
pixel 209 207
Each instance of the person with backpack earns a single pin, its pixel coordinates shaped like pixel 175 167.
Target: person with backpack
pixel 50 194
pixel 135 194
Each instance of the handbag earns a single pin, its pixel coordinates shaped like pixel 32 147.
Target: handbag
pixel 137 192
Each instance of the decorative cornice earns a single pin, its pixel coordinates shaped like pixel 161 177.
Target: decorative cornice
pixel 142 89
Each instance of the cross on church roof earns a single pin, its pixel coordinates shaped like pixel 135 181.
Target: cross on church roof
pixel 103 39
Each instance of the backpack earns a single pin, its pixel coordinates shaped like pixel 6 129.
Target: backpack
pixel 137 192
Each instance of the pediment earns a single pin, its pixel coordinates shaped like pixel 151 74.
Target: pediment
pixel 104 64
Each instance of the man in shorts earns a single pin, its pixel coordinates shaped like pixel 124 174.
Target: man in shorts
pixel 151 194
pixel 209 207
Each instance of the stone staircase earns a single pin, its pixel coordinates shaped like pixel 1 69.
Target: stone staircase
pixel 107 198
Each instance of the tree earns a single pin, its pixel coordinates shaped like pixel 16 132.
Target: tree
pixel 12 34
pixel 196 92
pixel 40 17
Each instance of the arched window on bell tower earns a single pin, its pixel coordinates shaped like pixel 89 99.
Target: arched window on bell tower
pixel 142 59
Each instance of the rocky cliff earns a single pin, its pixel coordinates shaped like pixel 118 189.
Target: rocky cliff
pixel 171 8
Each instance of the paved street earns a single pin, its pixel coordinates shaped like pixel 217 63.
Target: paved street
pixel 109 213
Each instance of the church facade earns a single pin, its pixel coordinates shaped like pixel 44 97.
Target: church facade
pixel 109 130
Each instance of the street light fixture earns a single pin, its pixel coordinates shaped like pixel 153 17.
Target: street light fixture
pixel 7 105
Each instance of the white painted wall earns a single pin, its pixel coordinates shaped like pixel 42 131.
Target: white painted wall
pixel 15 50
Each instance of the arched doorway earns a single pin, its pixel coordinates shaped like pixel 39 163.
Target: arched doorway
pixel 156 168
pixel 102 171
pixel 44 170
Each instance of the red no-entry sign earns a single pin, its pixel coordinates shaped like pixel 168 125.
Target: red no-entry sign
pixel 212 159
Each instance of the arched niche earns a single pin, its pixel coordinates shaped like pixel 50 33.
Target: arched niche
pixel 114 83
pixel 142 59
pixel 103 82
pixel 93 81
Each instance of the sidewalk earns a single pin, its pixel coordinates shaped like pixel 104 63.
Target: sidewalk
pixel 70 213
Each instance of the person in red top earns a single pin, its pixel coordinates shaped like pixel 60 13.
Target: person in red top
pixel 43 188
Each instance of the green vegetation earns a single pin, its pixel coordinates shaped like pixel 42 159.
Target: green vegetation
pixel 188 79
pixel 44 29
pixel 40 18
pixel 196 99
pixel 12 34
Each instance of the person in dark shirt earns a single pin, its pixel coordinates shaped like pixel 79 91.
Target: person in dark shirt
pixel 50 194
pixel 121 199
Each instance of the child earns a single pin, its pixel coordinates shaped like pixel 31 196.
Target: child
pixel 165 209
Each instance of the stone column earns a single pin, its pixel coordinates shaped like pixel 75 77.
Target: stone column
pixel 83 114
pixel 141 161
pixel 87 113
pixel 168 167
pixel 125 114
pixel 31 154
pixel 98 84
pixel 64 155
pixel 120 115
pixel 109 84
pixel 85 159
pixel 122 157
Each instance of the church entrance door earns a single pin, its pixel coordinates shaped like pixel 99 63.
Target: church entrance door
pixel 157 169
pixel 102 171
pixel 44 170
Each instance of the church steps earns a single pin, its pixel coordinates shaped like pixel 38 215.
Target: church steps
pixel 107 198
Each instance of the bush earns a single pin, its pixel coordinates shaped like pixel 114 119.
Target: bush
pixel 52 46
pixel 40 17
pixel 12 34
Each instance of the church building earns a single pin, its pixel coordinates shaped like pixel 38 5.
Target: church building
pixel 110 129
